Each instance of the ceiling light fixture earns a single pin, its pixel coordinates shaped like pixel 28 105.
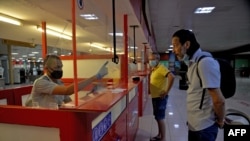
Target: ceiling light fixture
pixel 116 34
pixel 132 47
pixel 55 33
pixel 89 16
pixel 11 20
pixel 100 47
pixel 204 10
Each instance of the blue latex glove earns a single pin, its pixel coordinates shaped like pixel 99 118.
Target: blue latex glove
pixel 103 71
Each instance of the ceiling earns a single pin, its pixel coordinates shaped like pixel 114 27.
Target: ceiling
pixel 225 28
pixel 58 16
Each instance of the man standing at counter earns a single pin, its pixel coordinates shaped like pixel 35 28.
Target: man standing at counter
pixel 161 81
pixel 203 78
pixel 49 89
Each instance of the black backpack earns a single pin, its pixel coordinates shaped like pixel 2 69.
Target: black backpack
pixel 228 82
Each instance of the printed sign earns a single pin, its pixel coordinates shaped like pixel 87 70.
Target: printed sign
pixel 101 128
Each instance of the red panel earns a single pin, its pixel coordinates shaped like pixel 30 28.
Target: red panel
pixel 124 69
pixel 124 66
pixel 73 126
pixel 140 99
pixel 7 94
pixel 132 118
pixel 164 57
pixel 19 92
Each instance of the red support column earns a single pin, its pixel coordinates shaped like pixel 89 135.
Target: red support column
pixel 145 58
pixel 124 75
pixel 44 40
pixel 73 14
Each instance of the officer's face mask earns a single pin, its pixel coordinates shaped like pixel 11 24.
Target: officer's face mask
pixel 56 74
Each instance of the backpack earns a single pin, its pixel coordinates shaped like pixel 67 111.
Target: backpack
pixel 228 82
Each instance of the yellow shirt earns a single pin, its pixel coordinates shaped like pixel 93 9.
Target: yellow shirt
pixel 158 80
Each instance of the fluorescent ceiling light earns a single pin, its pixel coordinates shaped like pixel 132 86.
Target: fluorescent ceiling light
pixel 55 33
pixel 176 125
pixel 171 113
pixel 170 49
pixel 133 47
pixel 89 16
pixel 116 34
pixel 11 20
pixel 171 46
pixel 119 52
pixel 204 10
pixel 100 47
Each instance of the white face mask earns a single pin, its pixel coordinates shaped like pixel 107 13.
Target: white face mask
pixel 185 59
pixel 152 63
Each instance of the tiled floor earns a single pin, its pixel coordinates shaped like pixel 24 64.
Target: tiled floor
pixel 176 113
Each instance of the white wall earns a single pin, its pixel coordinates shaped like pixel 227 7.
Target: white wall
pixel 14 132
pixel 3 101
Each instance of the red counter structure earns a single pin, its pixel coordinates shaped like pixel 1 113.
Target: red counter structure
pixel 114 115
pixel 6 96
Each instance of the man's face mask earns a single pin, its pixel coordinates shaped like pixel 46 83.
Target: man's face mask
pixel 56 74
pixel 152 63
pixel 185 59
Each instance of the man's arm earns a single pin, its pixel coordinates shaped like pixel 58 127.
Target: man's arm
pixel 170 76
pixel 219 105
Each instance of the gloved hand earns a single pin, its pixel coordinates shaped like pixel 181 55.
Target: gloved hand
pixel 103 71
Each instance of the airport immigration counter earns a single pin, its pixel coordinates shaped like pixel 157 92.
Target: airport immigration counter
pixel 112 115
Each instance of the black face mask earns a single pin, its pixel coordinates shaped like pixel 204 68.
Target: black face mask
pixel 56 74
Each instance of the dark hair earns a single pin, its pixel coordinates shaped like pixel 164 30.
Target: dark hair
pixel 157 55
pixel 186 35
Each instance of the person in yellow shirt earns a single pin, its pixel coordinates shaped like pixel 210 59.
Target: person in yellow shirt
pixel 161 81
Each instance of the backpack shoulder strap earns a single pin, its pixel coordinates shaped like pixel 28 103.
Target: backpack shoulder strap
pixel 204 90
